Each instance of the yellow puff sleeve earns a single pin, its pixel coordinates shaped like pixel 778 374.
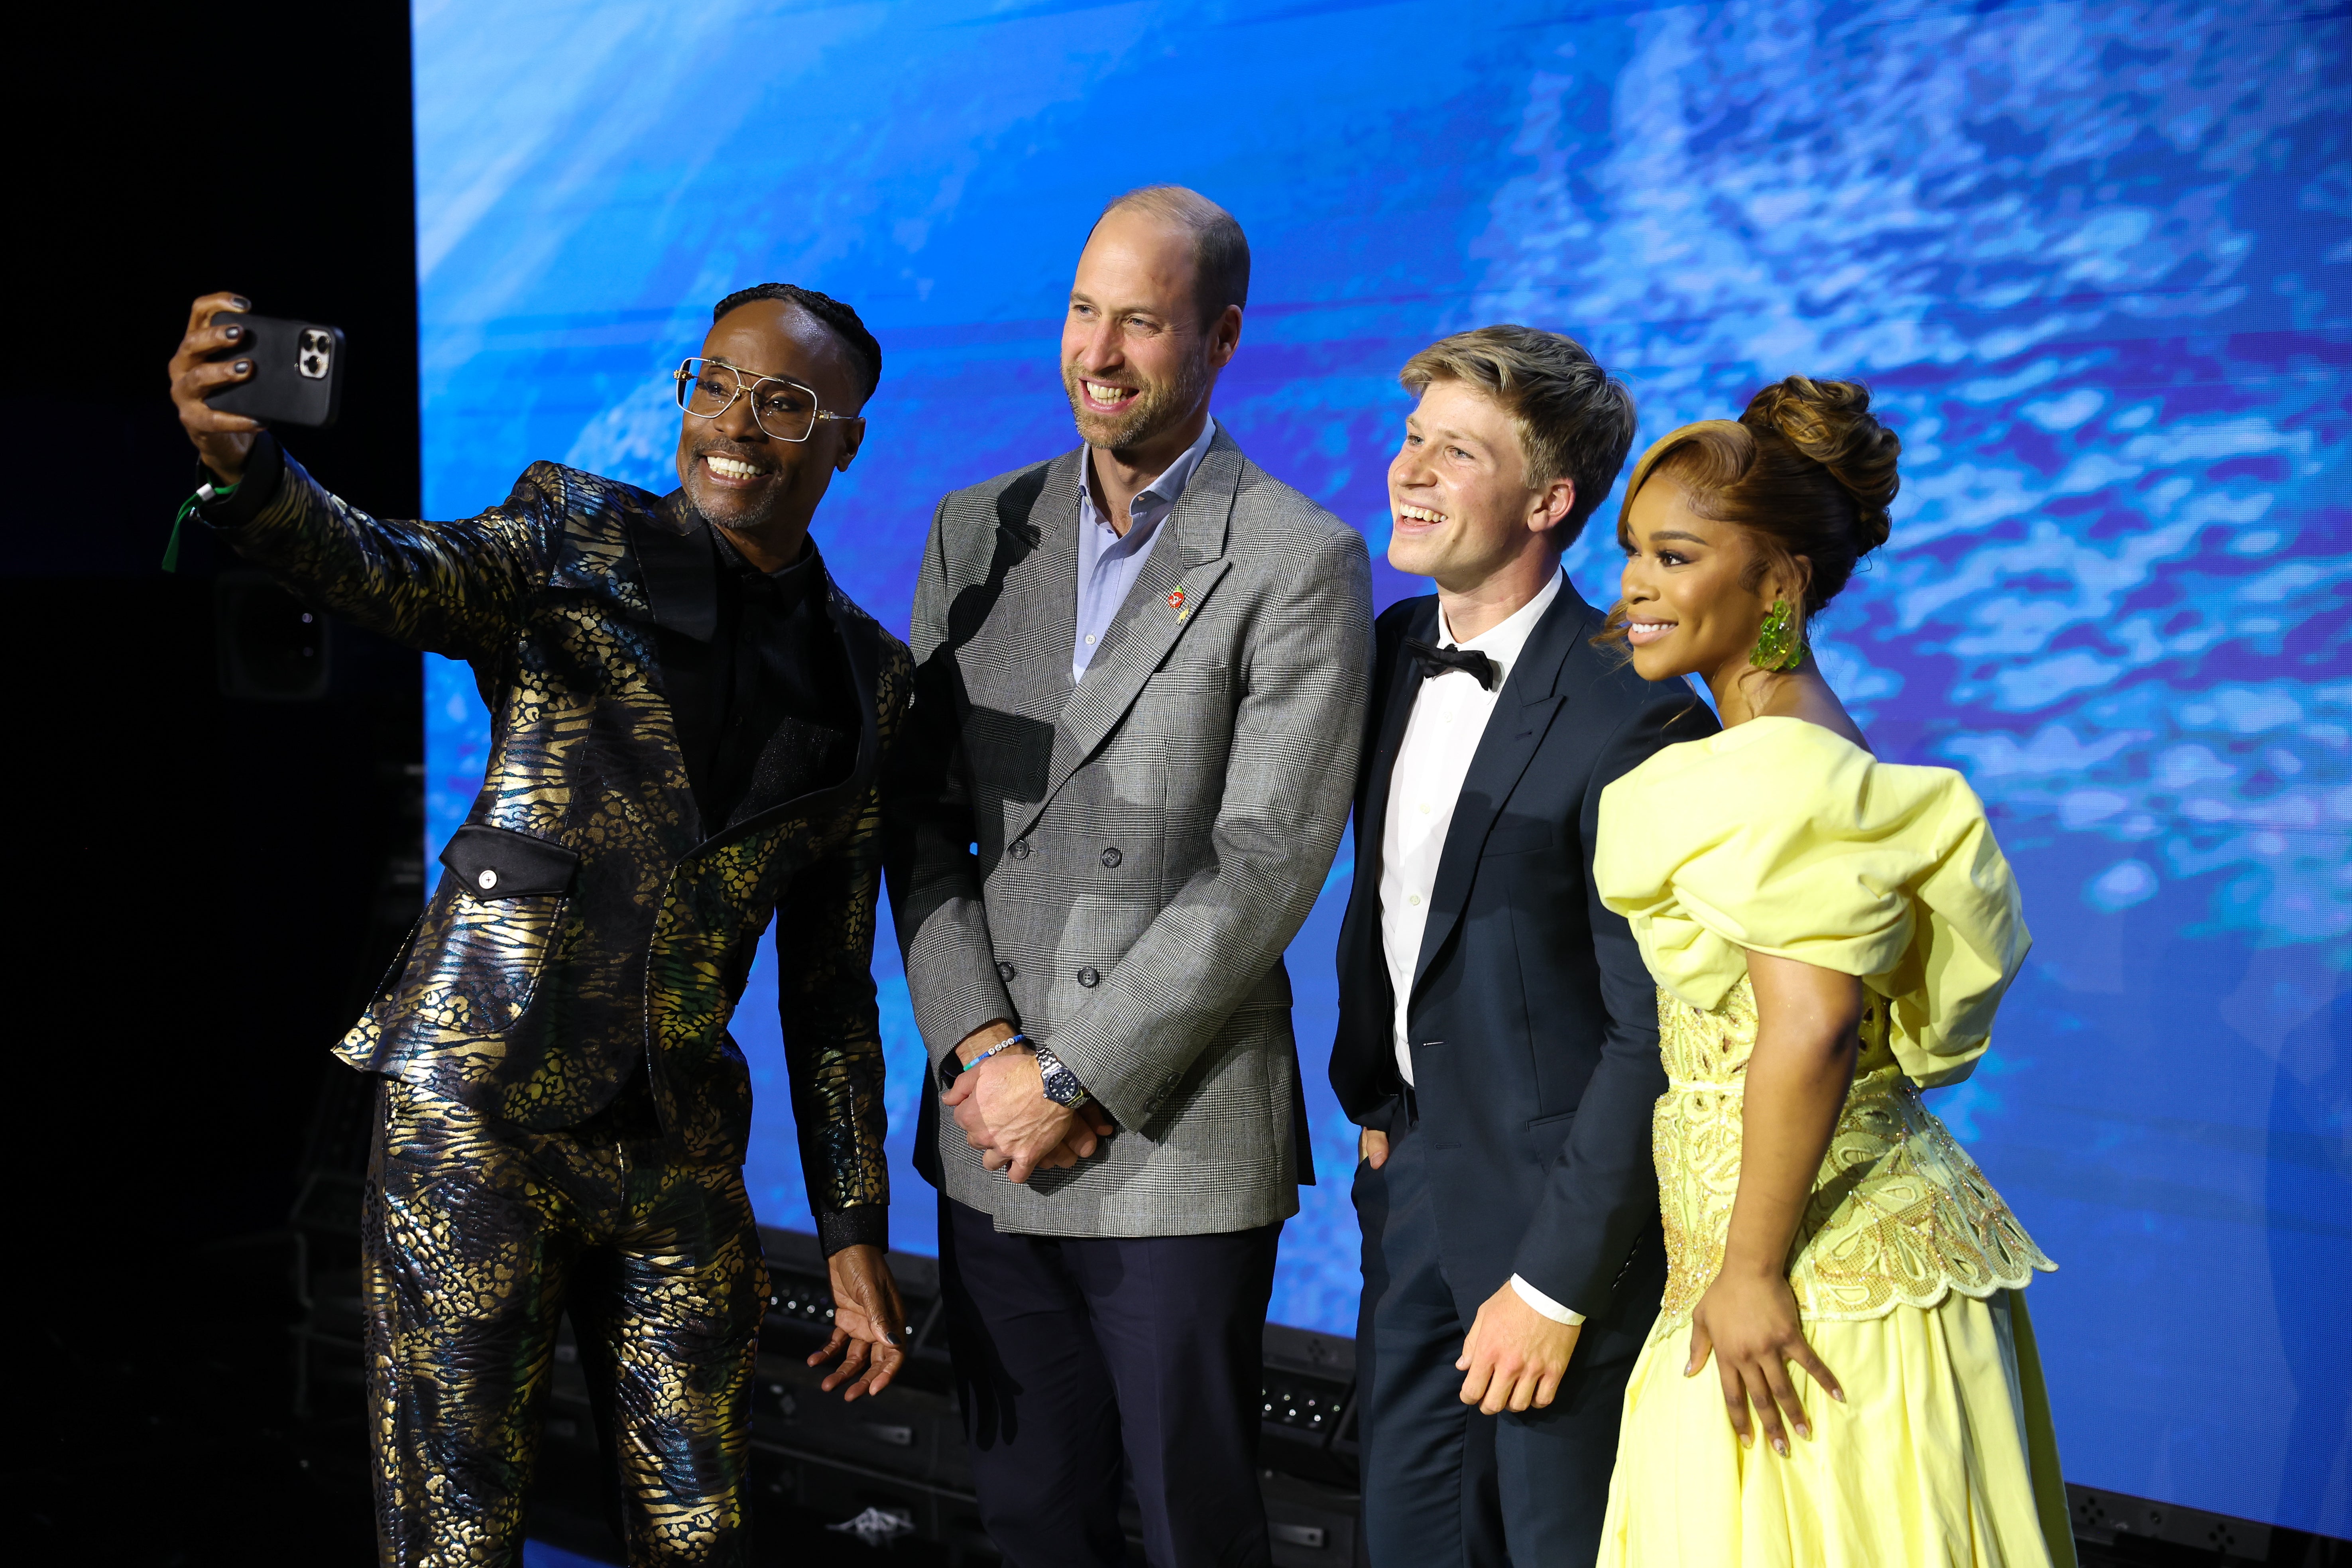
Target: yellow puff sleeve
pixel 1780 836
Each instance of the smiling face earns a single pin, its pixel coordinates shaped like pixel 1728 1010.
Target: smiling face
pixel 1458 490
pixel 735 474
pixel 1694 597
pixel 1136 361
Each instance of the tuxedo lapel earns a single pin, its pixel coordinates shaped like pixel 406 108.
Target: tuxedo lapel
pixel 1403 690
pixel 1524 712
pixel 1154 615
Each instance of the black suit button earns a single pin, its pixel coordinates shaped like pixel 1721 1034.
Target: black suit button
pixel 1020 850
pixel 1089 978
pixel 1004 972
pixel 1110 857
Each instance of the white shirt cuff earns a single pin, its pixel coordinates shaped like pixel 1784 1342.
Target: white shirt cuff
pixel 1545 1304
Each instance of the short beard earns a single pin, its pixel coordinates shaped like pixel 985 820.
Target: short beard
pixel 738 515
pixel 1158 407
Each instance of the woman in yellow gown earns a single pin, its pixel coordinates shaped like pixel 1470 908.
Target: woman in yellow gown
pixel 1843 1371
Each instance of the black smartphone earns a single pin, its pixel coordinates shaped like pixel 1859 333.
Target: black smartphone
pixel 298 371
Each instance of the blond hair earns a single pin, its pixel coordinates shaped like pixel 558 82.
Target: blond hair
pixel 1574 419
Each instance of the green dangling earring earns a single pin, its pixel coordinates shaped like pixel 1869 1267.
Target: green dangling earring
pixel 1778 644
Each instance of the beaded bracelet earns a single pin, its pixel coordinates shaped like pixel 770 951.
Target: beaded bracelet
pixel 1017 1039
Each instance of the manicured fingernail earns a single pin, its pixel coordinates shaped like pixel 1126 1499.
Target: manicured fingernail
pixel 1838 1395
pixel 234 332
pixel 242 365
pixel 1781 1447
pixel 241 302
pixel 1804 1431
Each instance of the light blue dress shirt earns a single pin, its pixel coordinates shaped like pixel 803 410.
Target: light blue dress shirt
pixel 1108 564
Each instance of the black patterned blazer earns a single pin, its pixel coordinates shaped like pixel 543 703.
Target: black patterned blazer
pixel 589 919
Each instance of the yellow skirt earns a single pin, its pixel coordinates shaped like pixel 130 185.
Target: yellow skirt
pixel 1941 1456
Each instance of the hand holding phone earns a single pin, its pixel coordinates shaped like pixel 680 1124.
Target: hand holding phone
pixel 297 371
pixel 235 373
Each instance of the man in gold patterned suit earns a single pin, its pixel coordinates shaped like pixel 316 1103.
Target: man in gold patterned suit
pixel 689 726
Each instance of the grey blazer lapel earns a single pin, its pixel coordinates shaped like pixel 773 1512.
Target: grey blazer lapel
pixel 1191 559
pixel 1041 589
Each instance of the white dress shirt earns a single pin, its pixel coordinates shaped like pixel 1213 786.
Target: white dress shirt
pixel 1449 716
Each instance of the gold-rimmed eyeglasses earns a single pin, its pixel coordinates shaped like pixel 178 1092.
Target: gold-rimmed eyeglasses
pixel 786 410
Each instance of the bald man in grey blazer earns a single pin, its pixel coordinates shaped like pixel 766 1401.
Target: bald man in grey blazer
pixel 1144 667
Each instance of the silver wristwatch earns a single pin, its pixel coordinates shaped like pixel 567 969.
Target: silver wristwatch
pixel 1062 1085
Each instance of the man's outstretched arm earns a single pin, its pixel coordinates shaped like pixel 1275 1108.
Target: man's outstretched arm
pixel 453 588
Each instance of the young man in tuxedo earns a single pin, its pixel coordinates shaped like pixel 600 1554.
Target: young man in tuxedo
pixel 1498 1035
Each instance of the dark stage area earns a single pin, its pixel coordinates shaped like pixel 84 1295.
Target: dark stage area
pixel 219 801
pixel 219 796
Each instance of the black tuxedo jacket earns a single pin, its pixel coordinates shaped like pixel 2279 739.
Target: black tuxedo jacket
pixel 1533 1021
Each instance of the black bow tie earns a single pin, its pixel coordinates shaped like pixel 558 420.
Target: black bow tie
pixel 1438 661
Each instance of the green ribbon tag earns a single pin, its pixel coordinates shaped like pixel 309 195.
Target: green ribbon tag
pixel 188 509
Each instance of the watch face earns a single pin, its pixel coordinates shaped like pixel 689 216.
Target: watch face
pixel 1061 1085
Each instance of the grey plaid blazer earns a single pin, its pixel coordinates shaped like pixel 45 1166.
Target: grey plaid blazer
pixel 1117 865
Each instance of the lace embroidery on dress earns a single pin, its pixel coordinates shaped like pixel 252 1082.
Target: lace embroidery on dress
pixel 1899 1213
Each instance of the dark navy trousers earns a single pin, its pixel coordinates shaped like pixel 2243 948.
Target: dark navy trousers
pixel 1084 1361
pixel 1442 1484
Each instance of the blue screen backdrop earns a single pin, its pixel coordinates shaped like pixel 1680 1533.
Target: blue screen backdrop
pixel 2093 259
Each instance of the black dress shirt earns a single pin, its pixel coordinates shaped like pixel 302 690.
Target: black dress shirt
pixel 775 672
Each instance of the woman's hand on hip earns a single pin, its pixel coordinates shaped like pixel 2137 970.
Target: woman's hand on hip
pixel 1750 1323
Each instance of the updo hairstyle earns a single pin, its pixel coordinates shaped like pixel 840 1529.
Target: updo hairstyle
pixel 1808 468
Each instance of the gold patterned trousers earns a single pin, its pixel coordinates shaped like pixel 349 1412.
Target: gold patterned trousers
pixel 477 1236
